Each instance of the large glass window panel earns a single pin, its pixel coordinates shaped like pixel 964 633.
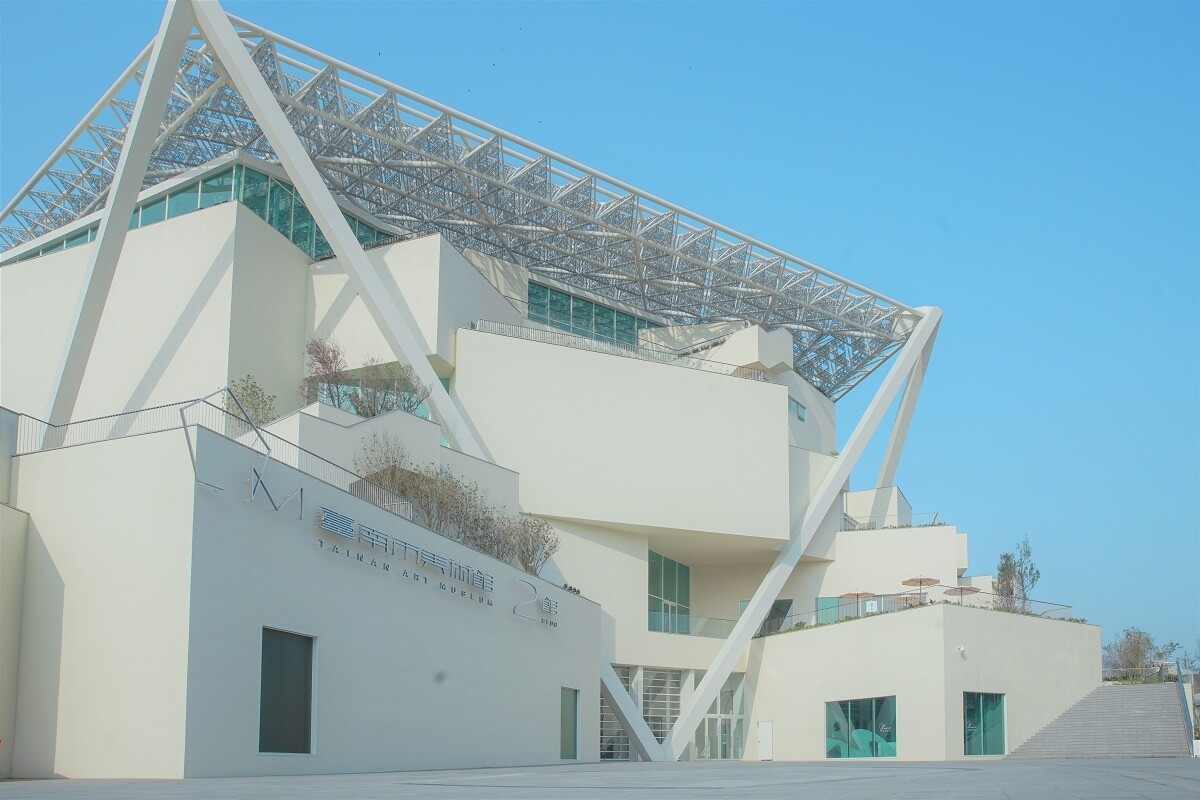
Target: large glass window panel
pixel 626 333
pixel 254 190
pixel 321 246
pixel 183 201
pixel 285 697
pixel 53 248
pixel 135 218
pixel 983 724
pixel 365 233
pixel 670 583
pixel 79 238
pixel 827 610
pixel 216 189
pixel 560 310
pixel 538 297
pixel 302 226
pixel 683 587
pixel 581 317
pixel 837 730
pixel 656 574
pixel 569 724
pixel 885 727
pixel 154 211
pixel 281 208
pixel 604 320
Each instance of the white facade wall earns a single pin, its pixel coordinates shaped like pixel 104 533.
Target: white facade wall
pixel 103 669
pixel 13 545
pixel 171 329
pixel 621 441
pixel 1041 666
pixel 408 676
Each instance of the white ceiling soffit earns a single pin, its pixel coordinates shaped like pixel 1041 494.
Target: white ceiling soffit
pixel 424 167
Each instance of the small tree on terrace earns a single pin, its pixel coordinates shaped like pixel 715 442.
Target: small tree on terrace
pixel 327 377
pixel 1134 651
pixel 536 542
pixel 1016 575
pixel 387 386
pixel 259 405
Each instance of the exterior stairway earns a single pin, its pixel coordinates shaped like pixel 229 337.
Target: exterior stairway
pixel 1135 721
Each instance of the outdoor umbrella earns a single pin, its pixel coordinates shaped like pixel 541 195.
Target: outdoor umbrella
pixel 961 590
pixel 921 583
pixel 856 596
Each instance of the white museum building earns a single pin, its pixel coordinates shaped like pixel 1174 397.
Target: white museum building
pixel 186 590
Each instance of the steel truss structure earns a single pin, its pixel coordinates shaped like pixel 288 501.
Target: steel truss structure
pixel 424 167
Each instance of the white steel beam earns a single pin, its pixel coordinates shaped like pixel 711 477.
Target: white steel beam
pixel 756 611
pixel 390 313
pixel 904 415
pixel 136 150
pixel 628 713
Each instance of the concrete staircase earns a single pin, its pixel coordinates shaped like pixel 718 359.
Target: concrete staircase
pixel 1136 721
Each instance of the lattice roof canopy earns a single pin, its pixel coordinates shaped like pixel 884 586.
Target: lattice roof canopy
pixel 424 167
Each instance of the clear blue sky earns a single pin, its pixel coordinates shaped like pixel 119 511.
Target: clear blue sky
pixel 1032 169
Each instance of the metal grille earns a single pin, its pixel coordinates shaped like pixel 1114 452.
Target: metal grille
pixel 660 699
pixel 614 740
pixel 423 167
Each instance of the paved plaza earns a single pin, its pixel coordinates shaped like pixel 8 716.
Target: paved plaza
pixel 1107 779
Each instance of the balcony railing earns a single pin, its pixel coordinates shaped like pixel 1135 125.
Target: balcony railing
pixel 847 609
pixel 882 522
pixel 661 356
pixel 688 625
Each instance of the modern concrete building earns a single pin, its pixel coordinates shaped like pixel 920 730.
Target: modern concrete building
pixel 184 592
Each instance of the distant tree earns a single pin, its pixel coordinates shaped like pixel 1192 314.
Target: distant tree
pixel 259 405
pixel 327 380
pixel 1004 585
pixel 1134 651
pixel 1016 575
pixel 1025 572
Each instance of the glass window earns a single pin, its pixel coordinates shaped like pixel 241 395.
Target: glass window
pixel 366 234
pixel 581 317
pixel 626 332
pixel 983 724
pixel 183 201
pixel 683 587
pixel 216 189
pixel 827 610
pixel 285 697
pixel 254 190
pixel 569 727
pixel 655 574
pixel 863 728
pixel 560 310
pixel 134 219
pixel 155 211
pixel 538 298
pixel 77 239
pixel 669 583
pixel 604 321
pixel 302 226
pixel 281 208
pixel 321 246
pixel 797 410
pixel 53 248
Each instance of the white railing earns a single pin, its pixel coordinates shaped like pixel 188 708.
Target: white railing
pixel 914 520
pixel 661 356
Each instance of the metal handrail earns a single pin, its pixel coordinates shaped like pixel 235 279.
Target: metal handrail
pixel 1189 724
pixel 640 352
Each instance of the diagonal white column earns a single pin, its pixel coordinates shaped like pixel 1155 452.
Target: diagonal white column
pixel 756 611
pixel 904 415
pixel 628 713
pixel 161 69
pixel 391 315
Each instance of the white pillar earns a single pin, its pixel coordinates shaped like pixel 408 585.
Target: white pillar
pixel 904 414
pixel 136 150
pixel 628 713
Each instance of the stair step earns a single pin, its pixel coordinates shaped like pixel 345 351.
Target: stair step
pixel 1114 722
